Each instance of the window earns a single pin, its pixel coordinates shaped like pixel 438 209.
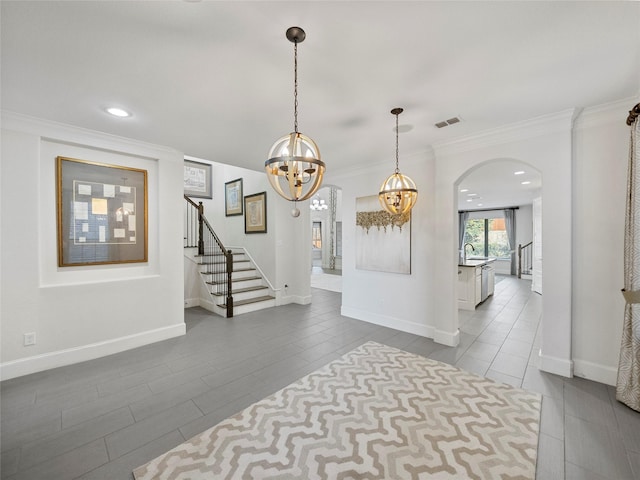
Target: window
pixel 316 235
pixel 488 237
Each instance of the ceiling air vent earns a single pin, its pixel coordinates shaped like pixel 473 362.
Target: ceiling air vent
pixel 446 123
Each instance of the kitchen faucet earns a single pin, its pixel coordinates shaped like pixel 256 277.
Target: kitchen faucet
pixel 464 251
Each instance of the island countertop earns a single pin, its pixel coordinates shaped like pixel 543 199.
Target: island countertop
pixel 476 262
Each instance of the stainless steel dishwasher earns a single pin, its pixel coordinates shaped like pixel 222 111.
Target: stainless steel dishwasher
pixel 484 286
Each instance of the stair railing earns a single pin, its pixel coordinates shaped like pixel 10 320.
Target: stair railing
pixel 525 259
pixel 217 259
pixel 193 225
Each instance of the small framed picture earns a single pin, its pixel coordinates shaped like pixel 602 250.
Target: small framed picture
pixel 197 179
pixel 255 213
pixel 233 198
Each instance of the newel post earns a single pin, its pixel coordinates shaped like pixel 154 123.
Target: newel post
pixel 200 229
pixel 229 300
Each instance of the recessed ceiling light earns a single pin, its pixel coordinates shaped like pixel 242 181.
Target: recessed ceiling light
pixel 469 200
pixel 519 172
pixel 526 182
pixel 480 204
pixel 464 190
pixel 472 194
pixel 118 112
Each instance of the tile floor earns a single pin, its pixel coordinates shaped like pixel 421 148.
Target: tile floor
pixel 326 281
pixel 100 419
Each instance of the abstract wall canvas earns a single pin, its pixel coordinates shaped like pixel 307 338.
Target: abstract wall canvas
pixel 383 241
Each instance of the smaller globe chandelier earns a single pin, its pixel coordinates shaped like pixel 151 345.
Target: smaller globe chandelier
pixel 398 193
pixel 294 168
pixel 318 204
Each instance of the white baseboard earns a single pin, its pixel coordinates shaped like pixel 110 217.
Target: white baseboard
pixel 191 302
pixel 47 361
pixel 447 338
pixel 558 366
pixel 287 299
pixel 596 372
pixel 391 322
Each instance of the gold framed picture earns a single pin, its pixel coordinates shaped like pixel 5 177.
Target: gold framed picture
pixel 101 213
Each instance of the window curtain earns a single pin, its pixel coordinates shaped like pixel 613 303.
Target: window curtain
pixel 510 225
pixel 462 226
pixel 628 383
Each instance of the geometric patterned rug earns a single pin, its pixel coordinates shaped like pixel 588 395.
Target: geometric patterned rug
pixel 375 413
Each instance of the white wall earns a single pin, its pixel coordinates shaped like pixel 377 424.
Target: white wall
pixel 601 142
pixel 545 144
pixel 425 302
pixel 399 301
pixel 80 313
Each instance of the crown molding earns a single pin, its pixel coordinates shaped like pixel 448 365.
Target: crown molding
pixel 69 134
pixel 606 113
pixel 524 130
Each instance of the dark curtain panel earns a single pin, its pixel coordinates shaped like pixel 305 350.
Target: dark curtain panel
pixel 510 224
pixel 462 223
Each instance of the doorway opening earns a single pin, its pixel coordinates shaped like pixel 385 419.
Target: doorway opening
pixel 326 239
pixel 499 214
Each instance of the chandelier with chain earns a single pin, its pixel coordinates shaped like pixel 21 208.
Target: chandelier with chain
pixel 398 193
pixel 294 167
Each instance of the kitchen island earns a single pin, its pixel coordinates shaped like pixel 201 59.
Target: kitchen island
pixel 476 281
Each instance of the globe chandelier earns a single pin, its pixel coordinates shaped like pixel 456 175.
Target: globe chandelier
pixel 294 168
pixel 398 193
pixel 318 204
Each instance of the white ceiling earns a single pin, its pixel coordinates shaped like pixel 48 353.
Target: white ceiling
pixel 496 184
pixel 215 79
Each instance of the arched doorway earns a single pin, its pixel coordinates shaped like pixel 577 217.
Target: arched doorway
pixel 326 238
pixel 499 216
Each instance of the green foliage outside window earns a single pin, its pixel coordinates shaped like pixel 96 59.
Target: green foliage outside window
pixel 488 237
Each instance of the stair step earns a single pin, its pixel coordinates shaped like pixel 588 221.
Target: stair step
pixel 236 280
pixel 242 290
pixel 223 262
pixel 234 271
pixel 248 301
pixel 217 254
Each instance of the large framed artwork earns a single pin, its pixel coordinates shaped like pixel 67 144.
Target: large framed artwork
pixel 197 179
pixel 255 213
pixel 101 213
pixel 383 240
pixel 233 198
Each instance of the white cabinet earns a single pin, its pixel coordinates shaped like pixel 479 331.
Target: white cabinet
pixel 469 284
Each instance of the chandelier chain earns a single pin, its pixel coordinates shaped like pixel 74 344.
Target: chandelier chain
pixel 397 167
pixel 295 87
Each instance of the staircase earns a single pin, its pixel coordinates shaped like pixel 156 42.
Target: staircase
pixel 248 287
pixel 231 283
